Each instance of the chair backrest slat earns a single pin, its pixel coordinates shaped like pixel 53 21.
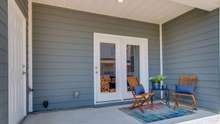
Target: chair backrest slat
pixel 188 80
pixel 132 82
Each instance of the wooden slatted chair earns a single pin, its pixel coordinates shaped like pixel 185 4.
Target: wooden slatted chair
pixel 138 100
pixel 185 80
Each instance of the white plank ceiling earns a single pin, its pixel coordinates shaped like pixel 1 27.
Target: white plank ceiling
pixel 153 11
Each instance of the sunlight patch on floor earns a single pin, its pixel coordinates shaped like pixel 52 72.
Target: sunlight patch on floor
pixel 206 120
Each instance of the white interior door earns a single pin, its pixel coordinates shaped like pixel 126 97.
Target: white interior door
pixel 17 63
pixel 115 58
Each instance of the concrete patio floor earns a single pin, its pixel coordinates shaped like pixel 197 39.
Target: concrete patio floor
pixel 104 115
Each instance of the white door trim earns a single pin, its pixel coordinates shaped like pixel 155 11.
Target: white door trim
pixel 30 71
pixel 142 42
pixel 16 64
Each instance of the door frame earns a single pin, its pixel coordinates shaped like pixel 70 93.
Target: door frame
pixel 13 8
pixel 30 59
pixel 144 77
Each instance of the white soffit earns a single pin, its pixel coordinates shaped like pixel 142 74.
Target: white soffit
pixel 207 5
pixel 153 11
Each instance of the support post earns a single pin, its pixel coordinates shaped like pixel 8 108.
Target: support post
pixel 161 54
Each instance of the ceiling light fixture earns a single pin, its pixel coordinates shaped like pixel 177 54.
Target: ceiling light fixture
pixel 120 1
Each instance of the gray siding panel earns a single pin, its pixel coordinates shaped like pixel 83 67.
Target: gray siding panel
pixel 3 62
pixel 191 45
pixel 63 52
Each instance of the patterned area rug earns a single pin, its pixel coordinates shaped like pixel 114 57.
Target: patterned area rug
pixel 155 112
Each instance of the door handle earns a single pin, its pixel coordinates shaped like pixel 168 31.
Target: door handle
pixel 30 89
pixel 24 72
pixel 96 70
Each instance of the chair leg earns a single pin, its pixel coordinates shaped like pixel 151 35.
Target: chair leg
pixel 194 102
pixel 139 103
pixel 176 102
pixel 133 104
pixel 136 103
pixel 142 102
pixel 146 100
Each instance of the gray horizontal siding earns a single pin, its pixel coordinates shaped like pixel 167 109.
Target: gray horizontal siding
pixel 63 52
pixel 3 62
pixel 191 45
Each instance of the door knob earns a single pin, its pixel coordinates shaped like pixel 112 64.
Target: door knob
pixel 96 68
pixel 30 89
pixel 24 72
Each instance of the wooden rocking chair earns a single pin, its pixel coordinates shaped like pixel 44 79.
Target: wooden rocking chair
pixel 138 100
pixel 186 81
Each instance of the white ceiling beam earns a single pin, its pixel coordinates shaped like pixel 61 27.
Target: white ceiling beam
pixel 207 5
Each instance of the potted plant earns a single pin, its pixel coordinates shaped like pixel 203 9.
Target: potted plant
pixel 156 81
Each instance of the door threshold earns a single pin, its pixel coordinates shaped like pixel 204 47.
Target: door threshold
pixel 108 102
pixel 112 103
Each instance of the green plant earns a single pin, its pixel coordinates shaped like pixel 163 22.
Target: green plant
pixel 157 78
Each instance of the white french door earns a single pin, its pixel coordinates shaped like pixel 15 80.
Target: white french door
pixel 17 63
pixel 111 58
pixel 115 58
pixel 134 60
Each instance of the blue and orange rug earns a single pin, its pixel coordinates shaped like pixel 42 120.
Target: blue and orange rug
pixel 155 112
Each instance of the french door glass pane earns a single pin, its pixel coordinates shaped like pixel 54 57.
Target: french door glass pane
pixel 107 68
pixel 133 61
